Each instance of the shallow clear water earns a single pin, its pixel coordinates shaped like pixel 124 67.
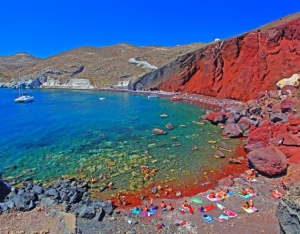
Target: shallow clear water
pixel 63 130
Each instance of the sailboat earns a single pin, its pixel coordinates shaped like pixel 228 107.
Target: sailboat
pixel 23 97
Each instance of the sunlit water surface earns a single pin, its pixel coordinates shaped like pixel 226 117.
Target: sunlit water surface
pixel 63 130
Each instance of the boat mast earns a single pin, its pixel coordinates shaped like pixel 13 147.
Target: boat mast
pixel 19 84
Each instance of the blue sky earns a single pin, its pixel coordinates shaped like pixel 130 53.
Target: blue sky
pixel 44 28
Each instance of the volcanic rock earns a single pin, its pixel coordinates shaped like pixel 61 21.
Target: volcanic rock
pixel 218 69
pixel 226 182
pixel 232 130
pixel 219 154
pixel 287 105
pixel 288 210
pixel 158 131
pixel 255 146
pixel 290 139
pixel 268 161
pixel 288 90
pixel 244 123
pixel 216 117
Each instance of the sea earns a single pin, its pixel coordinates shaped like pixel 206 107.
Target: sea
pixel 72 133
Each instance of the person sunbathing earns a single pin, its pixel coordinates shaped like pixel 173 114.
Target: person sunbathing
pixel 251 203
pixel 170 207
pixel 283 183
pixel 212 195
pixel 162 205
pixel 276 193
pixel 251 190
pixel 169 190
pixel 244 192
pixel 249 179
pixel 225 191
pixel 146 209
pixel 246 205
pixel 220 194
pixel 185 204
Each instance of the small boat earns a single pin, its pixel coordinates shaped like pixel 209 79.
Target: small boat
pixel 152 96
pixel 175 98
pixel 23 97
pixel 163 115
pixel 101 98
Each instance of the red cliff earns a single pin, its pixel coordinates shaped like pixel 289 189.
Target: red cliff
pixel 236 68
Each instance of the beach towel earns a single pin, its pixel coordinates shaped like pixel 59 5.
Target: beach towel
pixel 208 208
pixel 191 209
pixel 152 211
pixel 208 218
pixel 223 218
pixel 230 213
pixel 145 214
pixel 275 196
pixel 196 200
pixel 135 211
pixel 221 207
pixel 213 199
pixel 253 180
pixel 230 193
pixel 245 196
pixel 250 209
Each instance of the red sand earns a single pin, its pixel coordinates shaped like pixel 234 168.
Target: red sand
pixel 193 187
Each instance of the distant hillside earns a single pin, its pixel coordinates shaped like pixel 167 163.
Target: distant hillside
pixel 104 66
pixel 9 64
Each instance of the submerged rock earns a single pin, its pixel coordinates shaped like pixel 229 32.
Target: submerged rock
pixel 158 131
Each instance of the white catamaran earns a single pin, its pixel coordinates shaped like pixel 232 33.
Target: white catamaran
pixel 23 97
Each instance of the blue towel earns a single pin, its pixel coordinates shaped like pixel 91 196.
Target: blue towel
pixel 208 218
pixel 136 211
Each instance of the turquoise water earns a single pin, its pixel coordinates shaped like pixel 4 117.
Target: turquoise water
pixel 63 130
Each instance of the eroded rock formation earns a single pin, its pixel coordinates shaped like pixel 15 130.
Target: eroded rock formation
pixel 288 211
pixel 237 68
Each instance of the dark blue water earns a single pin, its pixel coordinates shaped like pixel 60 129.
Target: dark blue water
pixel 63 130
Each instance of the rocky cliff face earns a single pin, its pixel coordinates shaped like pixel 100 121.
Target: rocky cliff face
pixel 237 68
pixel 288 211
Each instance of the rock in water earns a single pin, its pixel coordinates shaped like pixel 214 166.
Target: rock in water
pixel 158 131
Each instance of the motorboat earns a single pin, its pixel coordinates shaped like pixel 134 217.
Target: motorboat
pixel 152 96
pixel 175 99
